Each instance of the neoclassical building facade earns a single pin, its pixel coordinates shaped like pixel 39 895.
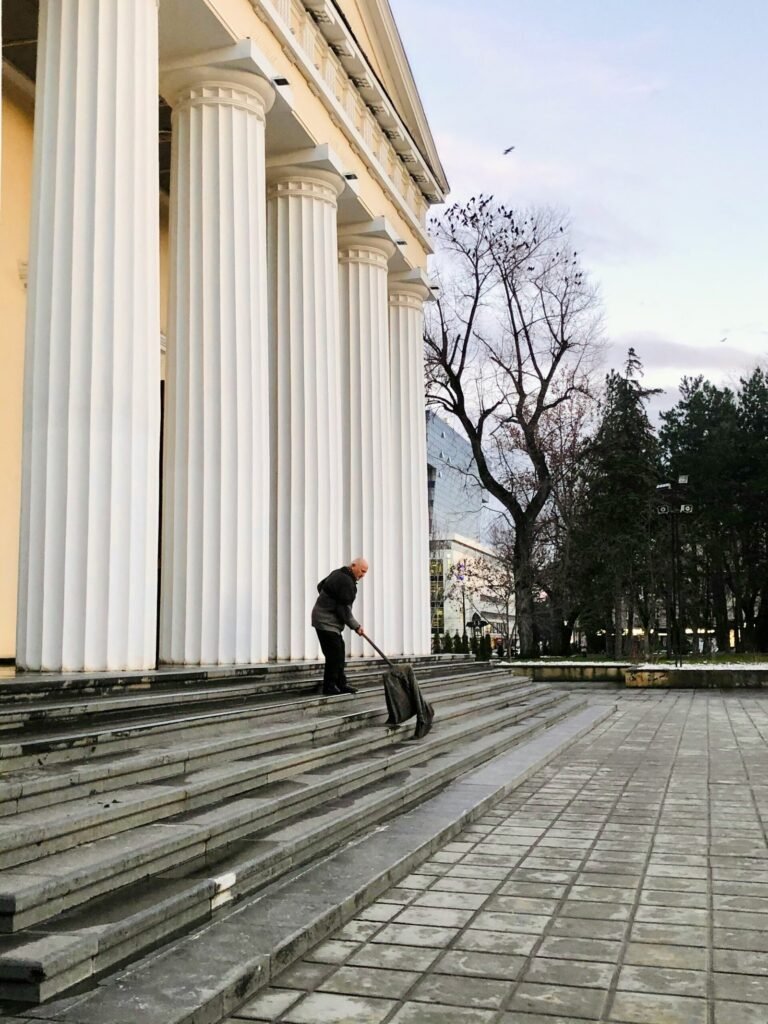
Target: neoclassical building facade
pixel 213 257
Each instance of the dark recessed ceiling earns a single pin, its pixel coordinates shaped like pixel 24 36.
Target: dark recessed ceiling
pixel 20 19
pixel 20 35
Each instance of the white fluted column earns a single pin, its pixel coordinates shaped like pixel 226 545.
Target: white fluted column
pixel 367 430
pixel 409 479
pixel 306 415
pixel 89 506
pixel 214 588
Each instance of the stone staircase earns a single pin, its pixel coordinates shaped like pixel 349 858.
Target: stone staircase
pixel 134 812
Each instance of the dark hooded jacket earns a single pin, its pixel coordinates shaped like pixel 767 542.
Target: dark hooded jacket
pixel 336 595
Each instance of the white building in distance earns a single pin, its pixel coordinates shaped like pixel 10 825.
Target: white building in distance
pixel 467 582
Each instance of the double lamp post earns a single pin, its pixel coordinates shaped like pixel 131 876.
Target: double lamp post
pixel 671 503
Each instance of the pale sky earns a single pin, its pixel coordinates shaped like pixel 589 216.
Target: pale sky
pixel 648 121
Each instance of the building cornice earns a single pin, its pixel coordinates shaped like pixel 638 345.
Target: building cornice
pixel 321 44
pixel 387 41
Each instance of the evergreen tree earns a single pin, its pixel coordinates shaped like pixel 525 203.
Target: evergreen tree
pixel 700 439
pixel 719 439
pixel 613 534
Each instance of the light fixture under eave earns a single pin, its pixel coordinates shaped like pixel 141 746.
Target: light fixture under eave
pixel 351 176
pixel 280 81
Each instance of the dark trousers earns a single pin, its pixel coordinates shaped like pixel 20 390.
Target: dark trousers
pixel 334 652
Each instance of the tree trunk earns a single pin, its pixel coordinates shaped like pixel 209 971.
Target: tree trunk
pixel 749 634
pixel 761 631
pixel 720 607
pixel 524 591
pixel 567 634
pixel 629 647
pixel 618 626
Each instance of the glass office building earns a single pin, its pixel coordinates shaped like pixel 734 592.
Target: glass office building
pixel 462 518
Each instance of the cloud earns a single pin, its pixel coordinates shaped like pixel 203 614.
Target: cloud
pixel 665 361
pixel 601 78
pixel 474 167
pixel 607 238
pixel 514 54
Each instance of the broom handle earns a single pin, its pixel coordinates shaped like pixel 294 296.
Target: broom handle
pixel 377 649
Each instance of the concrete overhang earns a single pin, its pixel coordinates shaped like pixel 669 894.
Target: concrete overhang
pixel 351 207
pixel 380 227
pixel 418 276
pixel 289 132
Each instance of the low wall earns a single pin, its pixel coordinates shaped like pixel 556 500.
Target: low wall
pixel 573 672
pixel 726 677
pixel 704 677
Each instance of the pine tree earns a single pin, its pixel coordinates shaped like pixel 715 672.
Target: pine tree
pixel 620 475
pixel 718 437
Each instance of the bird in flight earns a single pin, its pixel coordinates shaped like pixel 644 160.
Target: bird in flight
pixel 722 340
pixel 508 150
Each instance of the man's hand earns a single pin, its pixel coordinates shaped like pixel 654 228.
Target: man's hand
pixel 360 631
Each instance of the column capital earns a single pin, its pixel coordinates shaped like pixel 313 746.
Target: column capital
pixel 212 86
pixel 304 182
pixel 366 249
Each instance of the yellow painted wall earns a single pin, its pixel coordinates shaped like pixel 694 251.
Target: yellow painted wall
pixel 14 234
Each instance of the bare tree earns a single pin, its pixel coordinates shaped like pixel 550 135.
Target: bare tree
pixel 512 337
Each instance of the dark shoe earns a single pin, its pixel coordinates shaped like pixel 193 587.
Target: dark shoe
pixel 346 689
pixel 330 691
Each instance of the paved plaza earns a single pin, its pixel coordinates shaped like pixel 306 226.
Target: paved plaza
pixel 626 882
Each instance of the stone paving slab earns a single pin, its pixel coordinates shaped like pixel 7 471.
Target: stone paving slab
pixel 625 882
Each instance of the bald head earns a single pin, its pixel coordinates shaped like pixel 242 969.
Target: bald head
pixel 358 567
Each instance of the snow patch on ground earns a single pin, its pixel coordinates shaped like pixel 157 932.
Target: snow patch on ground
pixel 720 666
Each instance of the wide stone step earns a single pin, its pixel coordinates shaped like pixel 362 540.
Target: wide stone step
pixel 175 751
pixel 334 805
pixel 38 714
pixel 29 688
pixel 57 745
pixel 208 974
pixel 28 836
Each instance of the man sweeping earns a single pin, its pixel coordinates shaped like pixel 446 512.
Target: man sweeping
pixel 331 613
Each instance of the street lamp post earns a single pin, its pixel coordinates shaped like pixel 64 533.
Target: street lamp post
pixel 463 581
pixel 674 507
